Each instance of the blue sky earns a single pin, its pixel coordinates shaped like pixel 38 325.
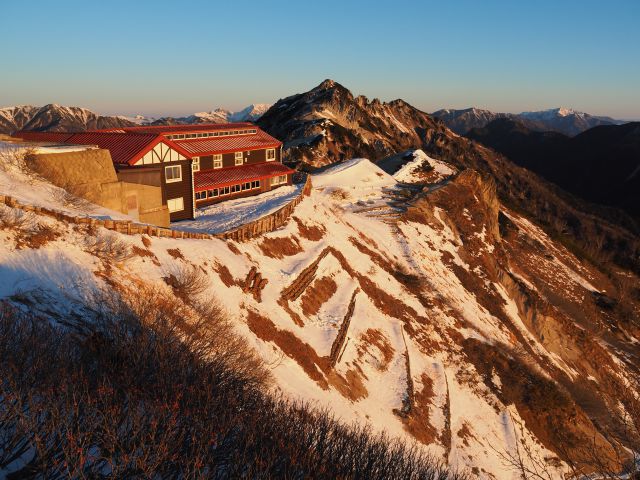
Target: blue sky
pixel 164 57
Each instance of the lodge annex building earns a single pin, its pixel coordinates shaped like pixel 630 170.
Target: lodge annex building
pixel 194 165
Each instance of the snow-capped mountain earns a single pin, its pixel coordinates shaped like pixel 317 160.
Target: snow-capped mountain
pixel 562 120
pixel 219 115
pixel 54 118
pixel 249 114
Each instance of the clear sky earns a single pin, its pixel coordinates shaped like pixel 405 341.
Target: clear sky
pixel 178 57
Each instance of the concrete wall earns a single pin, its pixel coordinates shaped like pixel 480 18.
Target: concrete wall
pixel 90 174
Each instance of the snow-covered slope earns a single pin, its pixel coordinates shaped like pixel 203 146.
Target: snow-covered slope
pixel 436 318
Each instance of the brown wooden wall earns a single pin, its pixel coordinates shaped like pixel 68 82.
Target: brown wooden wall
pixel 228 159
pixel 179 189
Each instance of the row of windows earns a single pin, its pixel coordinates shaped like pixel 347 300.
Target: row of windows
pixel 182 136
pixel 238 157
pixel 217 192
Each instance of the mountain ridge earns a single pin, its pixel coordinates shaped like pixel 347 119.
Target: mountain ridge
pixel 600 164
pixel 54 117
pixel 560 119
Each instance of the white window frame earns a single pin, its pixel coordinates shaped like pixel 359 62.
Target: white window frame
pixel 175 204
pixel 173 180
pixel 279 180
pixel 199 194
pixel 196 164
pixel 272 150
pixel 217 157
pixel 239 156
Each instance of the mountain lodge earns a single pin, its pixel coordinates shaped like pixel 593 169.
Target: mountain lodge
pixel 194 165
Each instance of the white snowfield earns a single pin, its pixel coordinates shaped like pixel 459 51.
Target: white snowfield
pixel 466 424
pixel 231 214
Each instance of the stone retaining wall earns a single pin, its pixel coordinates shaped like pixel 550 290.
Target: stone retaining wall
pixel 263 225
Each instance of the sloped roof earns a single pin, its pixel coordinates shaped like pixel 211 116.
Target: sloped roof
pixel 212 145
pixel 233 175
pixel 125 148
pixel 43 136
pixel 167 129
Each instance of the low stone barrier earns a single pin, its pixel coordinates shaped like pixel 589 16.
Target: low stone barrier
pixel 263 225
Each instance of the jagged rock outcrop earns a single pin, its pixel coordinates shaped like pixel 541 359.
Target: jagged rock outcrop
pixel 329 124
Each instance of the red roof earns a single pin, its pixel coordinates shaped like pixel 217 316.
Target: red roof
pixel 43 136
pixel 168 129
pixel 211 145
pixel 233 175
pixel 125 149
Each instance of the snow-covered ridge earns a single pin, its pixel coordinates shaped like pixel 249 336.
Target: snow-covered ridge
pixel 426 300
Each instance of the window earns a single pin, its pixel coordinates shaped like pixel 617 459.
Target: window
pixel 247 186
pixel 173 173
pixel 196 164
pixel 280 179
pixel 226 190
pixel 213 193
pixel 239 158
pixel 217 161
pixel 201 195
pixel 271 154
pixel 175 204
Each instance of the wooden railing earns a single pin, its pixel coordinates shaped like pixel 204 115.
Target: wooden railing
pixel 263 225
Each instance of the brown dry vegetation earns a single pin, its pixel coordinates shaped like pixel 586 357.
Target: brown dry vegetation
pixel 548 412
pixel 36 237
pixel 291 345
pixel 280 247
pixel 350 385
pixel 374 338
pixel 175 253
pixel 187 281
pixel 144 253
pixel 231 246
pixel 107 246
pixel 225 275
pixel 158 401
pixel 313 233
pixel 417 421
pixel 317 294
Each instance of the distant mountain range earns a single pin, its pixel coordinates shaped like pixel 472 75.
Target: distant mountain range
pixel 562 120
pixel 54 118
pixel 601 165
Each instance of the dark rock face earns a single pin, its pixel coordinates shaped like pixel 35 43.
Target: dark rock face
pixel 328 124
pixel 601 165
pixel 55 118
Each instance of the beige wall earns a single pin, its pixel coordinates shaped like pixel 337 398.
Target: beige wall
pixel 90 174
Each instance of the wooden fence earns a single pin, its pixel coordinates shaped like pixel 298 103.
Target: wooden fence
pixel 263 225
